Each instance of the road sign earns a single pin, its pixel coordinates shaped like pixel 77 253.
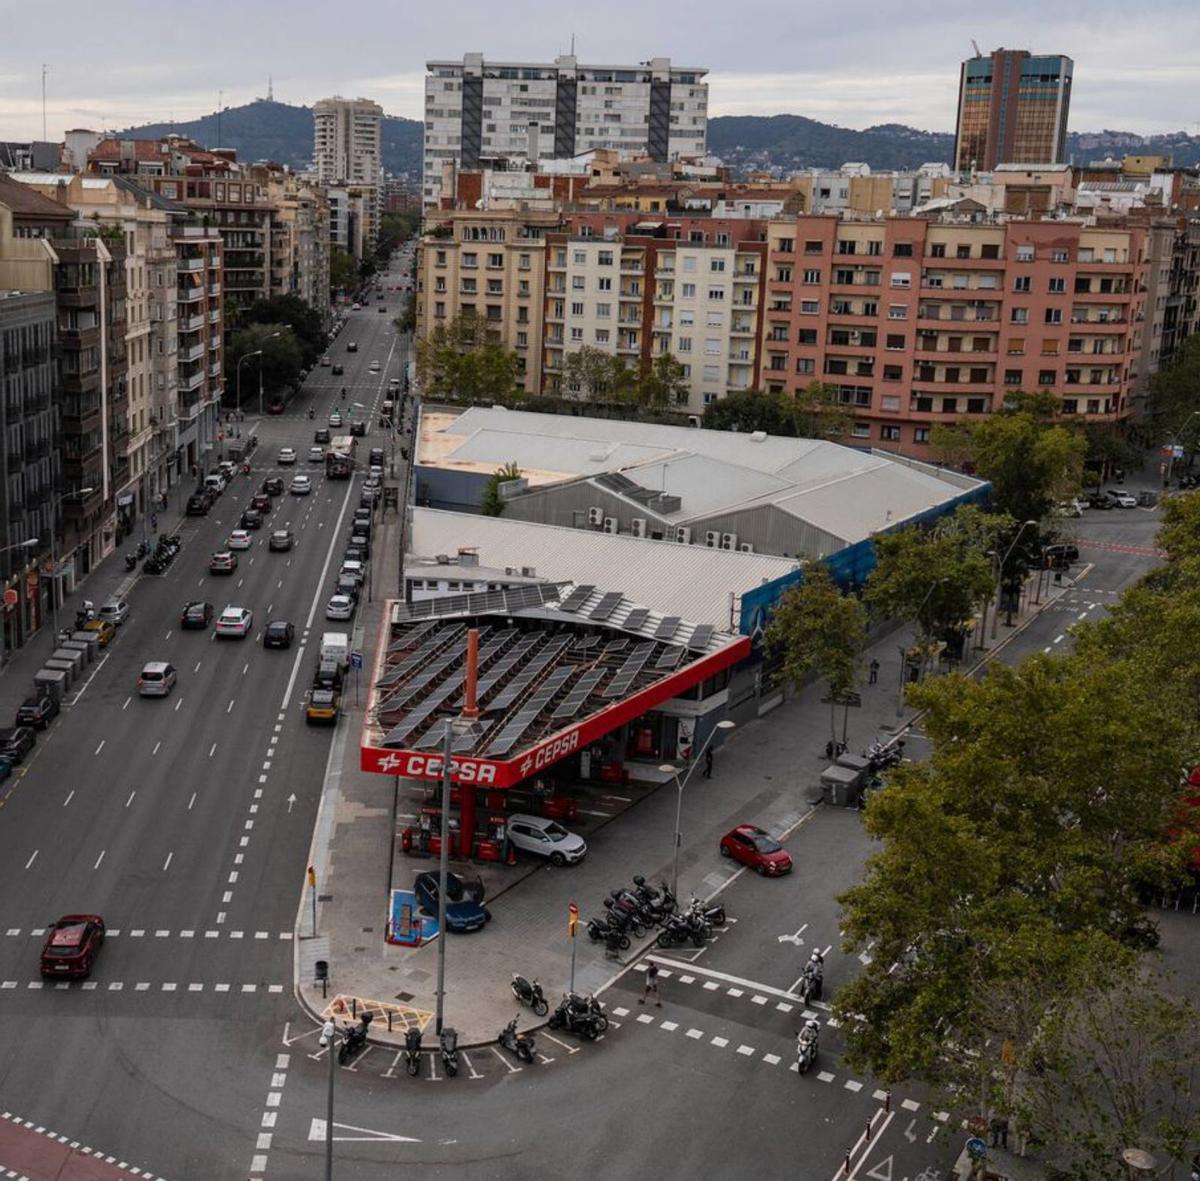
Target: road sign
pixel 572 918
pixel 11 597
pixel 976 1148
pixel 356 660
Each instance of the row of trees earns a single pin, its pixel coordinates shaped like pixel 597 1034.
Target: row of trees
pixel 289 334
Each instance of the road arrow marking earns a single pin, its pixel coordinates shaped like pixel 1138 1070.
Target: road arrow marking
pixel 316 1131
pixel 794 938
pixel 290 801
pixel 882 1171
pixel 909 1134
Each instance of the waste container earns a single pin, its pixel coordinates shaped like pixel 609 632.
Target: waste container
pixel 66 667
pixel 840 786
pixel 859 763
pixel 52 681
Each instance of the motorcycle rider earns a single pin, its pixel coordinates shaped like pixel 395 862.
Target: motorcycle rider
pixel 807 1038
pixel 311 412
pixel 343 393
pixel 815 971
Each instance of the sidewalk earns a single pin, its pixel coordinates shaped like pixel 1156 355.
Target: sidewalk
pixel 756 780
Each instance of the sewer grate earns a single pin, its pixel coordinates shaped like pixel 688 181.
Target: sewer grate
pixel 404 997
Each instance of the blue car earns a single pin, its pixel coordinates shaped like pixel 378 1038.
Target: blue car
pixel 464 901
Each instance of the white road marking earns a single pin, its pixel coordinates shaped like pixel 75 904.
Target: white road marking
pixel 167 863
pixel 229 707
pixel 211 749
pixel 101 746
pixel 127 701
pixel 156 746
pixel 99 859
pixel 70 795
pixel 191 802
pixel 178 704
pixel 131 795
pixel 32 859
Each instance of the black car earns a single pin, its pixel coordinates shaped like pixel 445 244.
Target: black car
pixel 279 634
pixel 1100 500
pixel 1059 557
pixel 352 347
pixel 358 427
pixel 347 584
pixel 196 615
pixel 354 553
pixel 252 519
pixel 197 505
pixel 321 435
pixel 37 711
pixel 273 486
pixel 261 503
pixel 328 675
pixel 361 540
pixel 337 370
pixel 362 521
pixel 375 457
pixel 16 742
pixel 281 540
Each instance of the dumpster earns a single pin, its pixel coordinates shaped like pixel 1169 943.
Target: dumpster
pixel 66 667
pixel 73 655
pixel 859 763
pixel 91 639
pixel 79 646
pixel 52 681
pixel 841 786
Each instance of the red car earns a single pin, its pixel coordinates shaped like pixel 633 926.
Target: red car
pixel 71 945
pixel 275 407
pixel 757 849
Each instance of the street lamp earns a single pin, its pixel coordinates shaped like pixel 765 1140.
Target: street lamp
pixel 680 784
pixel 327 1039
pixel 1175 443
pixel 241 360
pixel 272 336
pixel 55 504
pixel 1000 573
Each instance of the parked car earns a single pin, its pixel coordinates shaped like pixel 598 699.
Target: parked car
pixel 105 630
pixel 116 611
pixel 340 607
pixel 757 849
pixel 281 540
pixel 156 679
pixel 228 469
pixel 375 457
pixel 369 495
pixel 196 616
pixel 362 520
pixel 235 622
pixel 1121 498
pixel 239 539
pixel 197 505
pixel 546 838
pixel 37 712
pixel 16 742
pixel 71 946
pixel 1059 557
pixel 464 901
pixel 1071 508
pixel 286 456
pixel 273 486
pixel 279 633
pixel 1100 500
pixel 301 486
pixel 325 362
pixel 322 707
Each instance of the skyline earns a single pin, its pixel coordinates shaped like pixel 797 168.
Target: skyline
pixel 1134 71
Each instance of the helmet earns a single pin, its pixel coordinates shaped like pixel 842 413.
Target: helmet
pixel 816 958
pixel 812 1024
pixel 638 880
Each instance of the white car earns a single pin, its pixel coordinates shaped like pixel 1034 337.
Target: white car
pixel 116 611
pixel 286 455
pixel 340 607
pixel 354 570
pixel 301 486
pixel 326 361
pixel 239 539
pixel 374 366
pixel 316 455
pixel 1070 508
pixel 235 621
pixel 547 838
pixel 1121 497
pixel 335 419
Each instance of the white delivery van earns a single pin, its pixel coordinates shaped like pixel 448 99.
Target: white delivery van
pixel 336 646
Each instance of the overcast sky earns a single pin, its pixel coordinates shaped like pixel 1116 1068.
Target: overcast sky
pixel 855 63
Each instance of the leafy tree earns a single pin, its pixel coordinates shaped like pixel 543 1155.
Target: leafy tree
pixel 1175 396
pixel 599 376
pixel 302 319
pixel 661 383
pixel 752 411
pixel 817 629
pixel 280 361
pixel 1108 447
pixel 492 504
pixel 820 412
pixel 343 272
pixel 459 360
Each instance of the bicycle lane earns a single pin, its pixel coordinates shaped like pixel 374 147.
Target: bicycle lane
pixel 34 1153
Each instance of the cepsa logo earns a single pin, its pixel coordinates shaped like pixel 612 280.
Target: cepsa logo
pixel 468 771
pixel 545 755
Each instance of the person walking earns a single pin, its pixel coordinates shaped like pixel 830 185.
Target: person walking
pixel 708 763
pixel 873 672
pixel 999 1130
pixel 650 985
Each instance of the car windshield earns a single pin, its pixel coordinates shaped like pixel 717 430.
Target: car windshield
pixel 556 832
pixel 766 844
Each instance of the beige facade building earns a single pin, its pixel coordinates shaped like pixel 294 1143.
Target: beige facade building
pixel 347 153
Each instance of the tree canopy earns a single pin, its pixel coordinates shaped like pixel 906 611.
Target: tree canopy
pixel 815 413
pixel 300 317
pixel 459 360
pixel 279 364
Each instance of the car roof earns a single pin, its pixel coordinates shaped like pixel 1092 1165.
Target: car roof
pixel 155 666
pixel 278 625
pixel 238 611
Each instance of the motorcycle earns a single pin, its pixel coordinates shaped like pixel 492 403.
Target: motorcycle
pixel 599 932
pixel 627 904
pixel 520 1044
pixel 590 1007
pixel 312 413
pixel 529 993
pixel 806 1046
pixel 812 980
pixel 354 1039
pixel 575 1020
pixel 412 1051
pixel 883 758
pixel 713 915
pixel 343 393
pixel 131 561
pixel 682 927
pixel 449 1048
pixel 143 548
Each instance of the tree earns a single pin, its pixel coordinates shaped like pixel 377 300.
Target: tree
pixel 661 383
pixel 279 364
pixel 459 360
pixel 492 504
pixel 817 629
pixel 752 411
pixel 820 412
pixel 343 272
pixel 599 376
pixel 1175 396
pixel 300 317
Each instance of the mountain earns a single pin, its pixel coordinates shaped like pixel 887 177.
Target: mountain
pixel 264 130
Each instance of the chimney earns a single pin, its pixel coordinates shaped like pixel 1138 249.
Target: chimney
pixel 470 708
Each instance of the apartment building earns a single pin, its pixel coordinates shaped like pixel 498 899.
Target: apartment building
pixel 347 151
pixel 917 321
pixel 352 225
pixel 476 108
pixel 1012 109
pixel 299 236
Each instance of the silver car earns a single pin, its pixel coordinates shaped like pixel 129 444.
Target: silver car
pixel 340 607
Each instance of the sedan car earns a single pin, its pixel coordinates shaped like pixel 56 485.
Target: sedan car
pixel 240 539
pixel 301 486
pixel 340 607
pixel 757 849
pixel 235 622
pixel 325 361
pixel 316 455
pixel 196 616
pixel 260 502
pixel 335 418
pixel 374 367
pixel 281 540
pixel 251 519
pixel 197 505
pixel 276 405
pixel 546 838
pixel 16 742
pixel 1100 500
pixel 103 629
pixel 464 901
pixel 273 486
pixel 278 634
pixel 1121 498
pixel 71 945
pixel 287 455
pixel 116 611
pixel 358 428
pixel 222 563
pixel 322 708
pixel 321 435
pixel 37 712
pixel 337 370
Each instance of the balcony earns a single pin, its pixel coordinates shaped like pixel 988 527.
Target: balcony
pixel 191 353
pixel 214 315
pixel 191 323
pixel 214 289
pixel 214 370
pixel 190 295
pixel 190 382
pixel 189 264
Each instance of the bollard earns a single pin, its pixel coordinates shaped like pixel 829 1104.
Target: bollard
pixel 887 1101
pixel 846 1166
pixel 354 1006
pixel 389 1021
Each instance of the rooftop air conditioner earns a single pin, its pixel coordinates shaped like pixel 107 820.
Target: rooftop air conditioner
pixel 746 547
pixel 683 535
pixel 639 526
pixel 729 541
pixel 595 516
pixel 610 525
pixel 712 539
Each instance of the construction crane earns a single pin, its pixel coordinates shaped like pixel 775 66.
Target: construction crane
pixel 975 45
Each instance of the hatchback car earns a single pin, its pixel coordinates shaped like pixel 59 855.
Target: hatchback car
pixel 222 563
pixel 235 622
pixel 374 366
pixel 273 486
pixel 197 505
pixel 358 427
pixel 335 418
pixel 71 945
pixel 316 455
pixel 227 468
pixel 276 404
pixel 325 361
pixel 757 849
pixel 352 347
pixel 251 519
pixel 464 901
pixel 157 679
pixel 375 457
pixel 322 707
pixel 286 456
pixel 321 435
pixel 37 712
pixel 1121 498
pixel 240 539
pixel 301 486
pixel 116 611
pixel 260 502
pixel 337 371
pixel 340 607
pixel 278 634
pixel 16 742
pixel 546 838
pixel 281 540
pixel 103 629
pixel 196 616
pixel 1059 557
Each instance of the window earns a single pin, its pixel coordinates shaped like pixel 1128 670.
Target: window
pixel 604 283
pixel 937 250
pixel 812 276
pixel 897 311
pixel 1013 376
pixel 1049 348
pixel 805 365
pixel 782 274
pixel 522 339
pixel 689 262
pixel 1023 283
pixel 687 317
pixel 716 293
pixel 577 309
pixel 1047 377
pixel 603 311
pixel 712 348
pixel 689 291
pixel 602 336
pixel 962 250
pixel 1070 406
pixel 810 307
pixel 495 261
pixel 578 282
pixel 812 247
pixel 901 279
pixel 579 257
pixel 1024 254
pixel 806 336
pixel 902 249
pixel 890 433
pixel 861 430
pixel 605 258
pixel 718 264
pixel 1020 316
pixel 1016 346
pixel 1060 256
pixel 846 246
pixel 1054 315
pixel 576 333
pixel 685 344
pixel 712 372
pixel 1058 286
pixel 921 434
pixel 786 245
pixel 715 319
pixel 892 373
pixel 989 250
pixel 894 340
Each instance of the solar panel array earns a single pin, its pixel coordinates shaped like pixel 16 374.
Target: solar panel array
pixel 503 667
pixel 499 602
pixel 634 662
pixel 700 638
pixel 607 605
pixel 514 731
pixel 636 619
pixel 399 671
pixel 410 636
pixel 669 659
pixel 580 692
pixel 527 675
pixel 576 598
pixel 667 628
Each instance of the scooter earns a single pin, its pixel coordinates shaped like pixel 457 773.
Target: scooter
pixel 131 561
pixel 529 993
pixel 713 915
pixel 449 1046
pixel 520 1044
pixel 412 1051
pixel 575 1016
pixel 599 932
pixel 312 413
pixel 354 1039
pixel 806 1049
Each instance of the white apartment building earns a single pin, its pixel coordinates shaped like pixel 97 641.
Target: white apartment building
pixel 347 150
pixel 475 109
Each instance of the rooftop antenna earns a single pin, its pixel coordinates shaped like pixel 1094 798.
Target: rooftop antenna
pixel 220 104
pixel 270 89
pixel 572 44
pixel 45 71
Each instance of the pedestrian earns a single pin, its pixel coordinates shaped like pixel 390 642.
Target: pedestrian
pixel 873 675
pixel 650 985
pixel 708 762
pixel 999 1130
pixel 154 522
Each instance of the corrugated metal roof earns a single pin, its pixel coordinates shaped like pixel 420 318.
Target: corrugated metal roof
pixel 687 580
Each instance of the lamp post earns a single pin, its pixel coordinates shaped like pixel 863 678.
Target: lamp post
pixel 53 559
pixel 1175 443
pixel 241 361
pixel 327 1039
pixel 680 783
pixel 904 651
pixel 1000 573
pixel 261 411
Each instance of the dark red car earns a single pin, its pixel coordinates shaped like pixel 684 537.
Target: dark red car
pixel 757 849
pixel 71 945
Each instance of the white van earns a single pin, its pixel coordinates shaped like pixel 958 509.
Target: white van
pixel 216 482
pixel 336 646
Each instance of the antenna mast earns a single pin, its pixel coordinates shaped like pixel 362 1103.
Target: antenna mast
pixel 45 71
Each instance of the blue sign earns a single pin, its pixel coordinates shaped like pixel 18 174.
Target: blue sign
pixel 356 660
pixel 976 1148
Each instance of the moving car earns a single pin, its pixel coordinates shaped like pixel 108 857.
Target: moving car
pixel 157 679
pixel 301 486
pixel 464 901
pixel 1121 498
pixel 321 435
pixel 325 361
pixel 273 486
pixel 322 707
pixel 252 519
pixel 239 539
pixel 196 616
pixel 286 456
pixel 374 367
pixel 352 347
pixel 37 712
pixel 757 849
pixel 278 634
pixel 260 502
pixel 358 428
pixel 105 630
pixel 116 611
pixel 335 418
pixel 546 838
pixel 281 540
pixel 16 742
pixel 235 622
pixel 276 404
pixel 382 309
pixel 197 505
pixel 337 371
pixel 316 455
pixel 340 607
pixel 71 945
pixel 1100 500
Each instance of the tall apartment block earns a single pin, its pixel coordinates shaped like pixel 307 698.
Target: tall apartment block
pixel 475 109
pixel 1012 109
pixel 347 151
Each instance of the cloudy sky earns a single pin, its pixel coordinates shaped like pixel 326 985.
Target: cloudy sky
pixel 1137 65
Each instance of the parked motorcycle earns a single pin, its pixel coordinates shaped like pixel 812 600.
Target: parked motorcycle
pixel 680 928
pixel 599 932
pixel 529 992
pixel 589 1006
pixel 412 1051
pixel 143 548
pixel 354 1039
pixel 574 1019
pixel 521 1044
pixel 713 915
pixel 449 1047
pixel 883 757
pixel 131 561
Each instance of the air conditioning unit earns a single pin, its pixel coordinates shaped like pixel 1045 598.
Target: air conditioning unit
pixel 610 525
pixel 712 539
pixel 639 526
pixel 683 535
pixel 729 541
pixel 746 547
pixel 595 516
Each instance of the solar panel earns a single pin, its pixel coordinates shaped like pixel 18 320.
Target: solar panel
pixel 636 619
pixel 606 606
pixel 669 659
pixel 700 638
pixel 668 627
pixel 580 692
pixel 634 662
pixel 576 598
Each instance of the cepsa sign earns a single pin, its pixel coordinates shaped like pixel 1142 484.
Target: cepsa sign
pixel 414 764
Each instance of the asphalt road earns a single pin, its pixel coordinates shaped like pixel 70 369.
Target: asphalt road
pixel 186 823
